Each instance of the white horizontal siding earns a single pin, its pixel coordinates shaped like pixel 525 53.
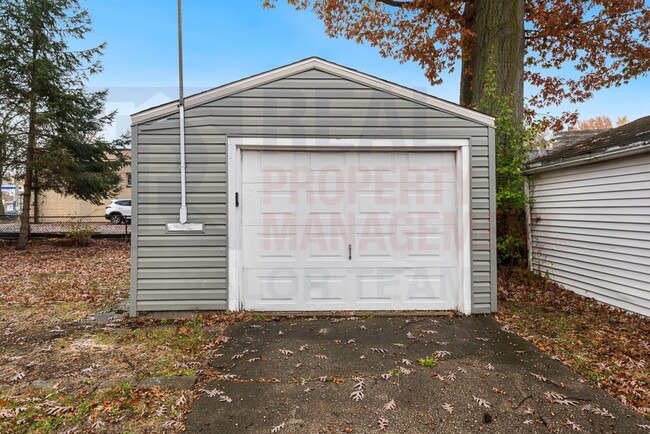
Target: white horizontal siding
pixel 591 230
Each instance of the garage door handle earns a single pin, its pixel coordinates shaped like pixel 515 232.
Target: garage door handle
pixel 350 252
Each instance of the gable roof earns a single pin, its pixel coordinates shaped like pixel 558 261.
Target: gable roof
pixel 305 65
pixel 627 139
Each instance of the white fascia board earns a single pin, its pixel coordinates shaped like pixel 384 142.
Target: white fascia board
pixel 540 167
pixel 305 65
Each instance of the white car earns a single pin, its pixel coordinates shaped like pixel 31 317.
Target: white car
pixel 118 211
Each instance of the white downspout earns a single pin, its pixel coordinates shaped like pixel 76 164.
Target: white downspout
pixel 529 222
pixel 182 218
pixel 182 225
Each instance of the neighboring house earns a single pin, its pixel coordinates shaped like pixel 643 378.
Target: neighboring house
pixel 52 204
pixel 560 139
pixel 320 188
pixel 590 216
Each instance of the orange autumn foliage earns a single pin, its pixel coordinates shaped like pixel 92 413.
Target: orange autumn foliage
pixel 597 123
pixel 570 48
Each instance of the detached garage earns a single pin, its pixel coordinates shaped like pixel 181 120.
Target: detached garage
pixel 313 187
pixel 590 217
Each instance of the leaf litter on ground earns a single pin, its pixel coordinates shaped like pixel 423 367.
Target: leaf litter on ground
pixel 605 345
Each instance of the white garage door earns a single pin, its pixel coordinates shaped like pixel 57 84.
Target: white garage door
pixel 349 230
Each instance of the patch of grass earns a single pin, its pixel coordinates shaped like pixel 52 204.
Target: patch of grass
pixel 187 336
pixel 166 368
pixel 428 362
pixel 166 346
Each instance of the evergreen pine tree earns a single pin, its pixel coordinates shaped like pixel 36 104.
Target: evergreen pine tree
pixel 59 122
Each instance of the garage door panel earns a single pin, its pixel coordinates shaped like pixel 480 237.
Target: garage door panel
pixel 326 203
pixel 423 288
pixel 352 289
pixel 325 247
pixel 374 246
pixel 425 197
pixel 432 287
pixel 400 288
pixel 272 246
pixel 269 207
pixel 264 245
pixel 347 231
pixel 420 238
pixel 314 207
pixel 403 204
pixel 429 167
pixel 373 167
pixel 291 289
pixel 377 288
pixel 325 168
pixel 432 247
pixel 375 201
pixel 277 288
pixel 273 168
pixel 326 287
pixel 276 202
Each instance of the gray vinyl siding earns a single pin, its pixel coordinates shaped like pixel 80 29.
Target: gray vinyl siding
pixel 133 296
pixel 591 230
pixel 180 271
pixel 308 104
pixel 482 257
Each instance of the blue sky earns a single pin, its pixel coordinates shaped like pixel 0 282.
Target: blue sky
pixel 228 40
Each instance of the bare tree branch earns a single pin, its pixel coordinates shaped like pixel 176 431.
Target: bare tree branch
pixel 394 3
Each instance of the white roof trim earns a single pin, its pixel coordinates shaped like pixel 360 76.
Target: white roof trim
pixel 305 65
pixel 608 154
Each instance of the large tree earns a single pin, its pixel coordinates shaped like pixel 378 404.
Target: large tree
pixel 605 42
pixel 57 123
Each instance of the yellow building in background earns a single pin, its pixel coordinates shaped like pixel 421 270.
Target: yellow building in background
pixel 52 204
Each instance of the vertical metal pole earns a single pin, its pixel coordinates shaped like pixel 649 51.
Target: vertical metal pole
pixel 181 107
pixel 529 223
pixel 180 53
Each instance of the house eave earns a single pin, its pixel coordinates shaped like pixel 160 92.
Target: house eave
pixel 602 155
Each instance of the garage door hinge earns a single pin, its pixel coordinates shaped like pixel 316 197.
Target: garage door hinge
pixel 237 199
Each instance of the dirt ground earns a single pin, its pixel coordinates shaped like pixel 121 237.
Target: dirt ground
pixel 609 347
pixel 60 371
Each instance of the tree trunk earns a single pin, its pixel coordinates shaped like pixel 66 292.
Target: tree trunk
pixel 23 236
pixel 498 44
pixel 36 210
